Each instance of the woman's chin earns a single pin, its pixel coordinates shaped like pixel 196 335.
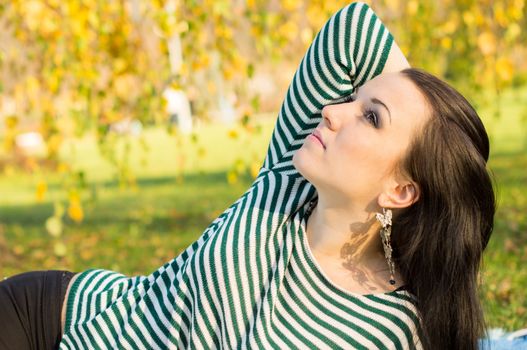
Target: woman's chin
pixel 298 160
pixel 303 163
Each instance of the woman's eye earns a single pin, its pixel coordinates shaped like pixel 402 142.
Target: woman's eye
pixel 372 118
pixel 369 114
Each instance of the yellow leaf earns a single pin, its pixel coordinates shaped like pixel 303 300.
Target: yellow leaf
pixel 58 209
pixel 54 142
pixel 204 60
pixel 289 29
pixel 224 32
pixel 87 254
pixel 19 249
pixel 239 167
pixel 75 211
pixel 405 49
pixel 93 19
pixel 487 43
pixel 62 168
pixel 32 84
pixel 41 190
pixel 479 17
pixel 112 116
pixel 290 5
pixel 450 26
pixel 31 164
pixel 306 35
pixel 468 18
pixel 233 134
pixel 504 69
pixel 119 65
pixel 53 83
pixel 256 31
pixel 500 15
pixel 446 42
pixel 517 10
pixel 126 86
pixel 412 7
pixel 211 87
pixel 54 226
pixel 393 4
pixel 49 25
pixel 255 169
pixel 182 27
pixel 73 196
pixel 232 177
pixel 11 122
pixel 59 249
pixel 513 31
pixel 33 11
pixel 9 170
pixel 228 73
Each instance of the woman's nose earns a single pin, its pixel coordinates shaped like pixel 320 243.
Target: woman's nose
pixel 330 116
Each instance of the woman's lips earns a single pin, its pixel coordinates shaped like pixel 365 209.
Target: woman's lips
pixel 316 134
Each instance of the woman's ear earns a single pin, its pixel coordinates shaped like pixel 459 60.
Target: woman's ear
pixel 400 194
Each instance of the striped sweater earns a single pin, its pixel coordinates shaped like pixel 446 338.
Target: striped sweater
pixel 250 280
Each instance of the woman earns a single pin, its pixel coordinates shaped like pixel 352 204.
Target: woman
pixel 364 228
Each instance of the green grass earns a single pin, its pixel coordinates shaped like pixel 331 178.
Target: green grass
pixel 179 193
pixel 133 229
pixel 504 276
pixel 130 231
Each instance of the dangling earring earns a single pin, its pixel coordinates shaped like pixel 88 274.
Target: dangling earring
pixel 386 222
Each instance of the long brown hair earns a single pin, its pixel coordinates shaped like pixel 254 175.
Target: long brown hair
pixel 438 241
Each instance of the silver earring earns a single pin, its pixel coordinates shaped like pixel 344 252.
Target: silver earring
pixel 386 222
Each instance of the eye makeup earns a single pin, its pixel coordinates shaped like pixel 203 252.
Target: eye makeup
pixel 369 114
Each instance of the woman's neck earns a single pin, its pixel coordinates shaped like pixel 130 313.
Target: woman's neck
pixel 347 245
pixel 344 233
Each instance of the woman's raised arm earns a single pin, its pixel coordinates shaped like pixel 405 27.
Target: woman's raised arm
pixel 352 48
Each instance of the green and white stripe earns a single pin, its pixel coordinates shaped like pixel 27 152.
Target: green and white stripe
pixel 250 280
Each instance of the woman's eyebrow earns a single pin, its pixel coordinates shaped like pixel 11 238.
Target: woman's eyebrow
pixel 379 102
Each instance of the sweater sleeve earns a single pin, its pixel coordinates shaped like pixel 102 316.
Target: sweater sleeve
pixel 350 49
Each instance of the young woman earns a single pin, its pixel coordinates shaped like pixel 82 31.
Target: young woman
pixel 364 228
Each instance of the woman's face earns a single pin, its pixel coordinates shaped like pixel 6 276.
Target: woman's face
pixel 358 144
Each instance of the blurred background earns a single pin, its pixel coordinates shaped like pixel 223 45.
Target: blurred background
pixel 127 126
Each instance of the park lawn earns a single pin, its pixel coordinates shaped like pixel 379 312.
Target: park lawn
pixel 165 211
pixel 504 276
pixel 131 231
pixel 135 230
